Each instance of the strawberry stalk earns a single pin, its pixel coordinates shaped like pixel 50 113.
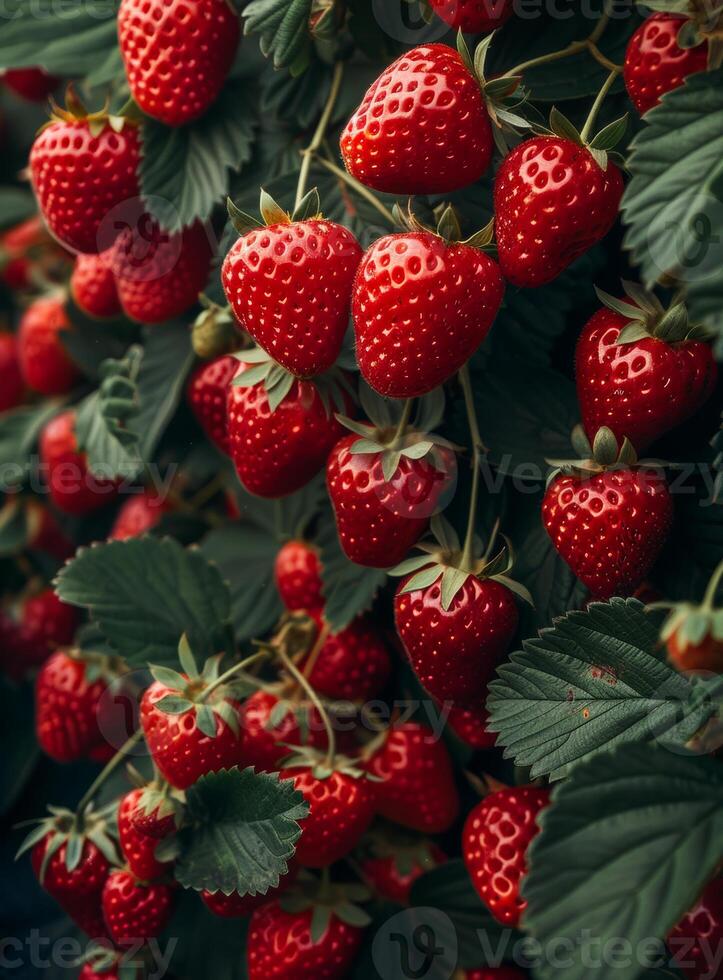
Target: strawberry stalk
pixel 358 188
pixel 478 448
pixel 105 772
pixel 712 588
pixel 231 672
pixel 315 700
pixel 316 650
pixel 318 137
pixel 403 423
pixel 597 104
pixel 575 47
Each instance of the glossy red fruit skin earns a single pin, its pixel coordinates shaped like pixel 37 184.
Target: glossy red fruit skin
pixel 655 63
pixel 290 286
pixel 135 912
pixel 72 488
pixel 12 385
pixel 277 453
pixel 138 848
pixel 265 745
pixel 297 573
pixel 552 203
pixel 93 285
pixel 159 275
pixel 642 389
pixel 44 362
pixel 179 748
pixel 353 664
pixel 379 521
pixel 159 43
pixel 422 127
pixel 706 655
pixel 32 84
pixel 208 396
pixel 138 514
pixel 496 973
pixel 280 946
pixel 66 709
pixel 88 973
pixel 496 836
pixel 610 528
pixel 473 16
pixel 704 925
pixel 235 906
pixel 386 878
pixel 341 809
pixel 78 182
pixel 455 652
pixel 417 788
pixel 78 891
pixel 470 725
pixel 49 622
pixel 421 309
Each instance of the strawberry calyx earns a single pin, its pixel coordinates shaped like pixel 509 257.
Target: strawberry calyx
pixel 159 802
pixel 702 22
pixel 103 958
pixel 215 330
pixel 278 382
pixel 649 318
pixel 76 111
pixel 690 624
pixel 308 209
pixel 326 898
pixel 604 455
pixel 443 559
pixel 601 146
pixel 321 766
pixel 447 226
pixel 72 829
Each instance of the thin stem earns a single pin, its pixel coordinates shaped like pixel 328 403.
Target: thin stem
pixel 403 421
pixel 316 650
pixel 318 136
pixel 231 672
pixel 359 188
pixel 478 448
pixel 107 770
pixel 575 47
pixel 709 597
pixel 597 105
pixel 314 698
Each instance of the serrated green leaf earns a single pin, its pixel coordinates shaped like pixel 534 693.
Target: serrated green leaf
pixel 283 26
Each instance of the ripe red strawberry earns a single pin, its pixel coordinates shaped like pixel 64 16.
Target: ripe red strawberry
pixel 552 202
pixel 138 847
pixel 495 973
pixel 155 814
pixel 704 925
pixel 641 387
pixel 277 452
pixel 422 128
pixel 139 514
pixel 88 973
pixel 48 622
pixel 417 788
pixel 655 63
pixel 44 362
pixel 341 808
pixel 158 274
pixel 12 385
pixel 393 874
pixel 67 696
pixel 693 634
pixel 32 84
pixel 208 396
pixel 269 731
pixel 73 488
pixel 609 525
pixel 135 912
pixel 81 169
pixel 380 519
pixel 290 287
pixel 235 906
pixel 159 41
pixel 280 946
pixel 353 664
pixel 495 839
pixel 422 306
pixel 470 724
pixel 93 285
pixel 473 16
pixel 181 750
pixel 297 573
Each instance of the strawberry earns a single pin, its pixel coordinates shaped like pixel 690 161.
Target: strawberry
pixel 396 865
pixel 87 972
pixel 208 394
pixel 473 16
pixel 135 912
pixel 640 371
pixel 28 254
pixel 139 514
pixel 44 362
pixel 470 725
pixel 422 127
pixel 158 274
pixel 12 384
pixel 138 847
pixel 68 691
pixel 422 306
pixel 353 664
pixel 48 622
pixel 495 973
pixel 417 788
pixel 289 284
pixel 32 84
pixel 655 62
pixel 693 634
pixel 704 925
pixel 608 517
pixel 280 946
pixel 201 737
pixel 155 813
pixel 553 201
pixel 235 906
pixel 73 488
pixel 81 167
pixel 297 574
pixel 495 839
pixel 159 41
pixel 278 446
pixel 93 287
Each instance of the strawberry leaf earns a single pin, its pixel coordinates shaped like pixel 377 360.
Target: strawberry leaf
pixel 349 589
pixel 283 27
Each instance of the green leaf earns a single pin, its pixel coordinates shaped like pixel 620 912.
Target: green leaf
pixel 19 430
pixel 145 593
pixel 16 205
pixel 646 826
pixel 14 528
pixel 283 26
pixel 349 589
pixel 110 447
pixel 245 826
pixel 190 166
pixel 593 681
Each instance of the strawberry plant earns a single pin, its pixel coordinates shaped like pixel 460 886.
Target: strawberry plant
pixel 361 489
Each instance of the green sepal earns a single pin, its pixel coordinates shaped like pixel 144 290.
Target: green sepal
pixel 171 705
pixel 308 207
pixel 241 220
pixel 271 212
pixel 186 658
pixel 168 677
pixel 206 720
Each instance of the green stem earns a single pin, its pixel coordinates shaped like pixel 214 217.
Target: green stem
pixel 107 770
pixel 318 136
pixel 478 448
pixel 575 47
pixel 231 672
pixel 315 700
pixel 357 187
pixel 597 105
pixel 403 422
pixel 709 597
